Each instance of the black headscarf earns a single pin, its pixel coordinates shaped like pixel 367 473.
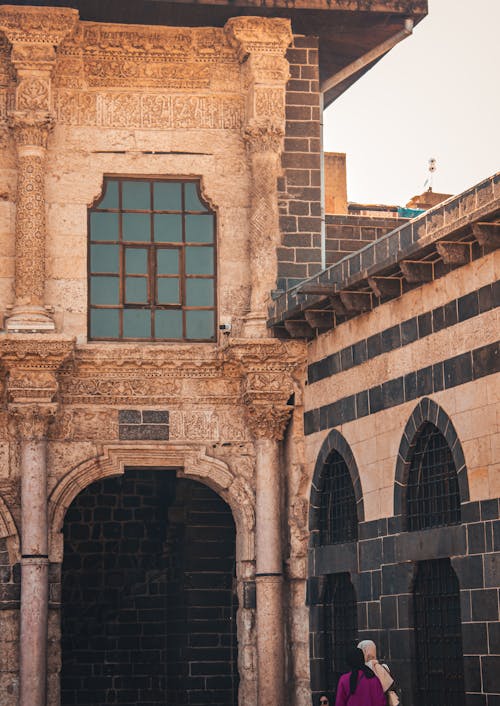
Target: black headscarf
pixel 356 661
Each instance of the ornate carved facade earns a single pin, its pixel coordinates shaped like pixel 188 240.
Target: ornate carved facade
pixel 231 104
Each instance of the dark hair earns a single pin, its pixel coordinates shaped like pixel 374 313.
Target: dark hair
pixel 323 695
pixel 356 661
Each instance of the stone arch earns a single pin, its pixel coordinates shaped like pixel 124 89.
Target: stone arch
pixel 188 462
pixel 427 411
pixel 333 442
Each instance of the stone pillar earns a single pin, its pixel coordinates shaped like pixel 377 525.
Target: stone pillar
pixel 261 44
pixel 31 363
pixel 267 423
pixel 32 422
pixel 34 33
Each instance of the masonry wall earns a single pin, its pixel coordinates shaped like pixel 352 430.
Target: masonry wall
pixel 300 186
pixel 433 351
pixel 347 234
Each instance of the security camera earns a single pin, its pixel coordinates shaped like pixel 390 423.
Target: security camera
pixel 225 328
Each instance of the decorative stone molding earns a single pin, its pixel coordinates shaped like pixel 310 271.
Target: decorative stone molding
pixel 189 462
pixel 32 365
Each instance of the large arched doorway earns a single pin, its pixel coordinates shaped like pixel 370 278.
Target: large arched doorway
pixel 149 603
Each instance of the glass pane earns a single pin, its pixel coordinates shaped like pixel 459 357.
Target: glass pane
pixel 136 195
pixel 136 226
pixel 168 228
pixel 192 200
pixel 104 323
pixel 136 323
pixel 167 291
pixel 200 261
pixel 104 290
pixel 103 226
pixel 136 290
pixel 136 261
pixel 200 324
pixel 168 261
pixel 110 195
pixel 168 324
pixel 104 258
pixel 199 292
pixel 167 196
pixel 200 229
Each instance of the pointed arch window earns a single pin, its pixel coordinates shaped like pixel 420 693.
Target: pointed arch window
pixel 438 635
pixel 151 262
pixel 338 514
pixel 433 496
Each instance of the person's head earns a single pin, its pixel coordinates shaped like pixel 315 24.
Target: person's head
pixel 355 658
pixel 369 649
pixel 356 661
pixel 324 700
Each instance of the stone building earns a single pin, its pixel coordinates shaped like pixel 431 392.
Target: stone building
pixel 224 456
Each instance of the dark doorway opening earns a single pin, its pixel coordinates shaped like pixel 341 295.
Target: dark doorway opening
pixel 148 594
pixel 438 635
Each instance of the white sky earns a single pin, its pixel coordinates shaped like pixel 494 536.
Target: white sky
pixel 436 94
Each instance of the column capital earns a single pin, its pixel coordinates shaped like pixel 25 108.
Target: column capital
pixel 258 35
pixel 263 137
pixel 267 421
pixel 37 25
pixel 30 129
pixel 30 422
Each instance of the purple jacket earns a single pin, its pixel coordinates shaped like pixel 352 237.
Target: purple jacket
pixel 368 692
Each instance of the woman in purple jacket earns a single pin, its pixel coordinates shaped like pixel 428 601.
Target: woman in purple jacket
pixel 359 687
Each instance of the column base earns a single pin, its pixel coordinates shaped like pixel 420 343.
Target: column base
pixel 29 319
pixel 254 326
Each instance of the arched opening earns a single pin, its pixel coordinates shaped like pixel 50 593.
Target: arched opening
pixel 438 635
pixel 433 495
pixel 148 594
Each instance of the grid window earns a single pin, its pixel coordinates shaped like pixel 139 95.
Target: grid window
pixel 438 634
pixel 433 497
pixel 152 272
pixel 340 626
pixel 338 516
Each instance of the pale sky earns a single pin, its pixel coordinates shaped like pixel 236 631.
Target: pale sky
pixel 436 94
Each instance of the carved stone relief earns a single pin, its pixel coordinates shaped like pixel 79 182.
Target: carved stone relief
pixel 148 110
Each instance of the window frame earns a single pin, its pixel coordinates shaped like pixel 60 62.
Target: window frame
pixel 153 247
pixel 338 516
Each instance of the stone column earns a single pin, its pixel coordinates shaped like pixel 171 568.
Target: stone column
pixel 32 422
pixel 34 33
pixel 261 44
pixel 267 423
pixel 31 363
